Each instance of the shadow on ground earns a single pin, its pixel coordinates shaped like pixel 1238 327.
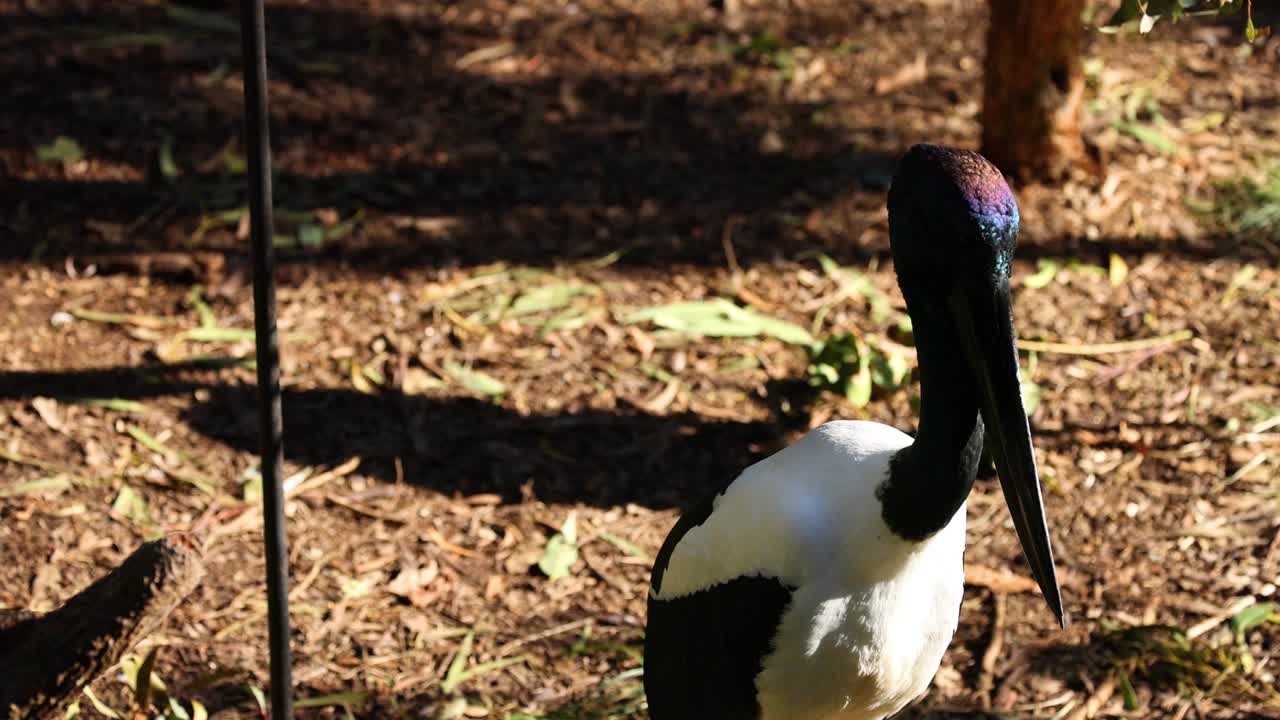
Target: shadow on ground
pixel 454 445
pixel 607 131
pixel 582 158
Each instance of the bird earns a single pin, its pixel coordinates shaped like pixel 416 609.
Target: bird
pixel 825 581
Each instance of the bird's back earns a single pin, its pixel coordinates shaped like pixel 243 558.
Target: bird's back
pixel 786 515
pixel 794 530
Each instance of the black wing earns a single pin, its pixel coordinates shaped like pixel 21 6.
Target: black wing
pixel 702 651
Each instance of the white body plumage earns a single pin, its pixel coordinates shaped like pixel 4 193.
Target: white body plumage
pixel 871 614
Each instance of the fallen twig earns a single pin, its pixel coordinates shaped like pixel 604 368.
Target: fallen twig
pixel 1095 702
pixel 34 462
pixel 1111 348
pixel 1213 621
pixel 506 649
pixel 989 657
pixel 247 516
pixel 1111 372
pixel 997 581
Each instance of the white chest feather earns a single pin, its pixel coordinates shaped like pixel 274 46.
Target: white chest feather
pixel 864 651
pixel 871 614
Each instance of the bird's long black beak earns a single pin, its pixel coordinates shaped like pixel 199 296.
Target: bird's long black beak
pixel 985 320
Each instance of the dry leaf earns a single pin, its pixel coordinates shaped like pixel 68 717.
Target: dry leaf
pixel 47 409
pixel 494 587
pixel 906 76
pixel 642 341
pixel 411 584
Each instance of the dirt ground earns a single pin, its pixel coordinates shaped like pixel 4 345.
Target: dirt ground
pixel 474 198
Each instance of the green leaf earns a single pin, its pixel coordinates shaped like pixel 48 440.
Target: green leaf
pixel 251 482
pixel 856 284
pixel 62 149
pixel 889 368
pixel 131 505
pixel 904 331
pixel 259 697
pixel 146 440
pixel 1046 271
pixel 347 698
pixel 176 711
pixel 826 373
pixel 1128 11
pixel 1251 617
pixel 168 167
pixel 202 19
pixel 624 545
pixel 234 162
pixel 561 551
pixel 101 706
pixel 118 40
pixel 548 297
pixel 354 588
pixel 231 216
pixel 216 335
pixel 116 404
pixel 1149 136
pixel 417 381
pixel 1250 32
pixel 570 319
pixel 1241 278
pixel 457 667
pixel 859 390
pixel 458 672
pixel 720 318
pixel 843 364
pixel 33 487
pixel 474 380
pixel 148 321
pixel 1127 692
pixel 344 228
pixel 766 42
pixel 1031 392
pixel 311 235
pixel 142 679
pixel 195 296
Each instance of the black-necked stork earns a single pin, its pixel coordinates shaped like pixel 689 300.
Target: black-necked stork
pixel 825 581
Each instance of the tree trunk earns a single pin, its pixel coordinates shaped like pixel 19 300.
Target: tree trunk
pixel 1033 87
pixel 46 659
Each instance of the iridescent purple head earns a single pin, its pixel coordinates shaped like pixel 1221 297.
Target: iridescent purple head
pixel 951 210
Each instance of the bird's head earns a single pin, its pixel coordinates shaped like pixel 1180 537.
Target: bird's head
pixel 952 218
pixel 953 223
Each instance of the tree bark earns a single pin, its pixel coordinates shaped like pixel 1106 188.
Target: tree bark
pixel 1033 87
pixel 46 659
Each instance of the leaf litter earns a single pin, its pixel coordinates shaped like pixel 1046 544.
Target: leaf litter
pixel 463 479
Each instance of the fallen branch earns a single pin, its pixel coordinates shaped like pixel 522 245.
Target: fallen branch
pixel 46 659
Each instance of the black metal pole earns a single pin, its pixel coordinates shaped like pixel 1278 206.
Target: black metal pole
pixel 253 36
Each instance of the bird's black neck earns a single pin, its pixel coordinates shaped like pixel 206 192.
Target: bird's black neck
pixel 929 480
